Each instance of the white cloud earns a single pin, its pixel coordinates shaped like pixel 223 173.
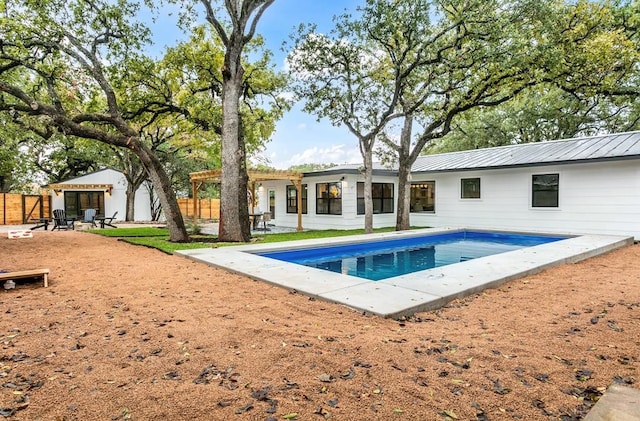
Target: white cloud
pixel 337 154
pixel 334 154
pixel 288 96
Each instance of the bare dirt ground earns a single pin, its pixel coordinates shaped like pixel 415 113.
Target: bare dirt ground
pixel 126 332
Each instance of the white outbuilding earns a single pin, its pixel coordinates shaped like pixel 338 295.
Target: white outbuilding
pixel 104 190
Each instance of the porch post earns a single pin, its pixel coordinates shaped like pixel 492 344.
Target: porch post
pixel 253 196
pixel 195 187
pixel 298 184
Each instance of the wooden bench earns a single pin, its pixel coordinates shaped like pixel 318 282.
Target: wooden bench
pixel 35 273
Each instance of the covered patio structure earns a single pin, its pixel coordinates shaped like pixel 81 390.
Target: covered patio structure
pixel 255 176
pixel 76 198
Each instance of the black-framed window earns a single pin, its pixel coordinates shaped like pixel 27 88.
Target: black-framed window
pixel 423 196
pixel 381 195
pixel 292 199
pixel 545 188
pixel 470 188
pixel 76 202
pixel 329 198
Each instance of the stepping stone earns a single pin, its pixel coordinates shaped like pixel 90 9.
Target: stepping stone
pixel 619 403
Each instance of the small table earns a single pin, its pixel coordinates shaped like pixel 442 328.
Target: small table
pixel 255 219
pixel 41 222
pixel 100 220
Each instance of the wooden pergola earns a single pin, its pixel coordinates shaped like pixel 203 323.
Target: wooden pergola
pixel 213 176
pixel 58 187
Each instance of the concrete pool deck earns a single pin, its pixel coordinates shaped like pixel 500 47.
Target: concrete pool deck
pixel 407 294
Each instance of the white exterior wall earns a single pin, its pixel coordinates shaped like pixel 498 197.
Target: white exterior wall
pixel 594 198
pixel 117 201
pixel 349 218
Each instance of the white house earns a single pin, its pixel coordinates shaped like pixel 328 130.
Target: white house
pixel 104 190
pixel 573 186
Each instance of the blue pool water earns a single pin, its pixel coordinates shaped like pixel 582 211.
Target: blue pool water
pixel 385 259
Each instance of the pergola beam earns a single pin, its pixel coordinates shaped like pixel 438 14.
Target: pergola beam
pixel 213 176
pixel 58 187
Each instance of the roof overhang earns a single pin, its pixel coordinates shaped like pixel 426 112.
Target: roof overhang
pixel 351 171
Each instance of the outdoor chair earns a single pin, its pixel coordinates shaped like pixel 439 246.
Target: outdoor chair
pixel 265 218
pixel 107 221
pixel 60 220
pixel 89 217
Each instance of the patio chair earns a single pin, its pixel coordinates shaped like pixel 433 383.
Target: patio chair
pixel 60 220
pixel 266 217
pixel 107 221
pixel 89 217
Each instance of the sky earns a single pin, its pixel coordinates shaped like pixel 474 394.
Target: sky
pixel 299 138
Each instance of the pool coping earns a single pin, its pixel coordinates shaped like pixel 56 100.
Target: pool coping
pixel 407 294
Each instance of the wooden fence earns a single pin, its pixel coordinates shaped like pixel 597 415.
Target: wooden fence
pixel 16 209
pixel 207 208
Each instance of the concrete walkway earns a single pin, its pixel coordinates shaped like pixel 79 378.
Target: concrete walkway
pixel 619 403
pixel 406 294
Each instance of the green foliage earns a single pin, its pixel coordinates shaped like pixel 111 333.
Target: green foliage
pixel 588 84
pixel 8 159
pixel 311 167
pixel 194 71
pixel 535 115
pixel 194 228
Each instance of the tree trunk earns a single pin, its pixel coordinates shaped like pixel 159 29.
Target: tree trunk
pixel 154 205
pixel 403 221
pixel 131 202
pixel 133 184
pixel 368 202
pixel 135 174
pixel 166 195
pixel 404 192
pixel 234 206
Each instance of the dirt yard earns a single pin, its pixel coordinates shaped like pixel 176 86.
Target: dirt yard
pixel 125 332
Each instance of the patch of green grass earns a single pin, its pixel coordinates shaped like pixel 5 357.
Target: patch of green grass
pixel 164 245
pixel 133 232
pixel 305 235
pixel 158 238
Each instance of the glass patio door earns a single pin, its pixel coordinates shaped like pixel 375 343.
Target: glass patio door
pixel 272 203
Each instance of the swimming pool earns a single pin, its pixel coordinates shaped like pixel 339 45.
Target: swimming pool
pixel 388 258
pixel 405 294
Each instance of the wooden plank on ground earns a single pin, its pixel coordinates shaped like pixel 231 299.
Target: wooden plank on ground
pixel 34 273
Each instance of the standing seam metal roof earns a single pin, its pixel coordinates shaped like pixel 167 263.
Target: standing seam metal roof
pixel 603 147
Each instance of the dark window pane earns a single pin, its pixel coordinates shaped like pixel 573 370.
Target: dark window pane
pixel 329 198
pixel 545 189
pixel 292 199
pixel 336 207
pixel 380 193
pixel 470 188
pixel 76 202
